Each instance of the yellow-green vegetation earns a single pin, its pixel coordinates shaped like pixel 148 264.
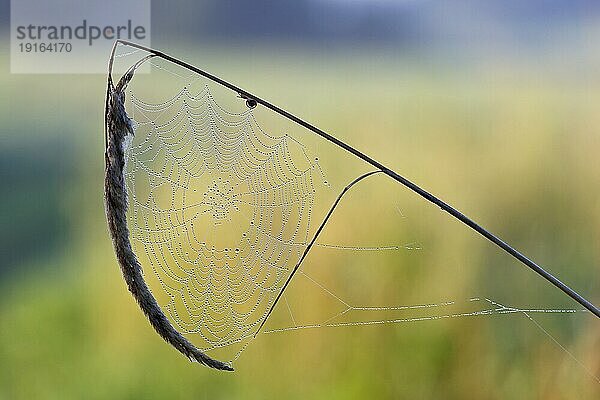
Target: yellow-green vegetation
pixel 514 148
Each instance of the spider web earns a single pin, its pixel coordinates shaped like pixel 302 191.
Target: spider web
pixel 222 210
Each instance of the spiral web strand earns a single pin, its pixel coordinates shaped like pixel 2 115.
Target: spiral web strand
pixel 222 211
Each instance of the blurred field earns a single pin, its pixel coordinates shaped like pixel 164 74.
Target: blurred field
pixel 513 147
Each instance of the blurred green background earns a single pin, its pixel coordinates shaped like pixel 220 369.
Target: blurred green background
pixel 505 127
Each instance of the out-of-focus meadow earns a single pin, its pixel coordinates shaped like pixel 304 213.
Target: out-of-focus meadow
pixel 513 144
